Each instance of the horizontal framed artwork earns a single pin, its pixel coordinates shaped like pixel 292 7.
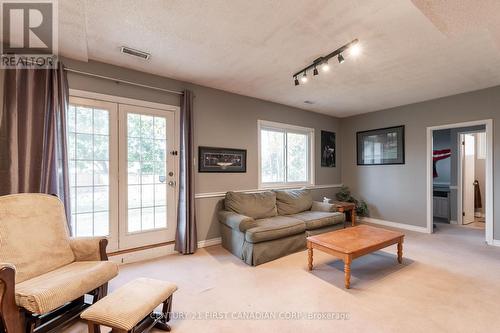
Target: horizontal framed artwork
pixel 383 146
pixel 213 159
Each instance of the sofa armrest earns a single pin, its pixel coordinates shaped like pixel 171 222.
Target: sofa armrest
pixel 323 207
pixel 236 221
pixel 89 248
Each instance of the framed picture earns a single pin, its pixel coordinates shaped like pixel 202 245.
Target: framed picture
pixel 328 152
pixel 381 146
pixel 211 159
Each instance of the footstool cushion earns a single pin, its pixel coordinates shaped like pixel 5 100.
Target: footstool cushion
pixel 128 305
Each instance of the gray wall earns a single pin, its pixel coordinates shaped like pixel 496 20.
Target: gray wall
pixel 398 193
pixel 222 119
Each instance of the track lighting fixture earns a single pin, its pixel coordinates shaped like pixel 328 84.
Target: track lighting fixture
pixel 353 47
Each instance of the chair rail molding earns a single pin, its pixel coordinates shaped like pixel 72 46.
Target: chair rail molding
pixel 223 193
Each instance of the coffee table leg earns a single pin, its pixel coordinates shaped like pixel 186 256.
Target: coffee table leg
pixel 400 251
pixel 309 256
pixel 347 271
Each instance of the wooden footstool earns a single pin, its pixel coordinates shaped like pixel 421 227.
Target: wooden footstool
pixel 130 308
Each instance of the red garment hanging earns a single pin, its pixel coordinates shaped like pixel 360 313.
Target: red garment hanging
pixel 438 155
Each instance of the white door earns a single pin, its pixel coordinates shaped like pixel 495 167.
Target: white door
pixel 468 172
pixel 93 168
pixel 147 176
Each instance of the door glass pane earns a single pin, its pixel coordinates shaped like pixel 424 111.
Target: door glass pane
pixel 297 157
pixel 272 159
pixel 146 157
pixel 88 151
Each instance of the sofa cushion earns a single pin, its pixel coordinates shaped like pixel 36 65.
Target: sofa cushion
pixel 49 291
pixel 274 228
pixel 33 234
pixel 293 201
pixel 316 220
pixel 255 205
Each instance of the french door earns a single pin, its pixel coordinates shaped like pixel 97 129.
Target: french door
pixel 122 172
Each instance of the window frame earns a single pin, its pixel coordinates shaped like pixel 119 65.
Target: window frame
pixel 287 128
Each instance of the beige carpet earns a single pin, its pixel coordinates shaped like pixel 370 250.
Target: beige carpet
pixel 449 282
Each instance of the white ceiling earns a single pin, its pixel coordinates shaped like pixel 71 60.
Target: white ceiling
pixel 412 50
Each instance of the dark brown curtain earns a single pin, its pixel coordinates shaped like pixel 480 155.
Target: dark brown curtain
pixel 185 238
pixel 35 102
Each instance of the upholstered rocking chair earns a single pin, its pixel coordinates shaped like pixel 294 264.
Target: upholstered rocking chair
pixel 44 273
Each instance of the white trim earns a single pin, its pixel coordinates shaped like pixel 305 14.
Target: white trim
pixel 489 174
pixel 157 252
pixel 394 224
pixel 223 193
pixel 122 100
pixel 496 242
pixel 209 242
pixel 294 129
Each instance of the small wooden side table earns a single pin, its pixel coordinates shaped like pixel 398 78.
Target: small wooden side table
pixel 346 207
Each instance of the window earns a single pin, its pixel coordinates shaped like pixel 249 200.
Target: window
pixel 285 154
pixel 122 179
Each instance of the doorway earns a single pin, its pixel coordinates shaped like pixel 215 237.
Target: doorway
pixel 472 174
pixel 123 171
pixel 460 176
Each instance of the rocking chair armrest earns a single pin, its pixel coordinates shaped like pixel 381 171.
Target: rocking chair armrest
pixel 89 248
pixel 9 311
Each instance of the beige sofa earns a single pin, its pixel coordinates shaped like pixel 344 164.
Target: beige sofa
pixel 44 273
pixel 260 227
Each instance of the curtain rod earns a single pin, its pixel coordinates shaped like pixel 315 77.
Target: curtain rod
pixel 123 81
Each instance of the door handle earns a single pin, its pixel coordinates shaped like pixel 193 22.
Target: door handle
pixel 171 183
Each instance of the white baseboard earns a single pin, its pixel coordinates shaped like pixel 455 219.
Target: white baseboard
pixel 156 252
pixel 209 242
pixel 496 242
pixel 394 224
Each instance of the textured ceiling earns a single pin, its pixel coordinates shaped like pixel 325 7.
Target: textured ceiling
pixel 412 50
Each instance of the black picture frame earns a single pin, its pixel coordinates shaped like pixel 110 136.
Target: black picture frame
pixel 389 136
pixel 211 158
pixel 328 149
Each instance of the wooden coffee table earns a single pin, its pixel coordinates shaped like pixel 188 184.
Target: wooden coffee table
pixel 351 243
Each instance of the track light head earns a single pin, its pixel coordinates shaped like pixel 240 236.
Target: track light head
pixel 304 78
pixel 315 72
pixel 325 67
pixel 355 50
pixel 296 81
pixel 341 58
